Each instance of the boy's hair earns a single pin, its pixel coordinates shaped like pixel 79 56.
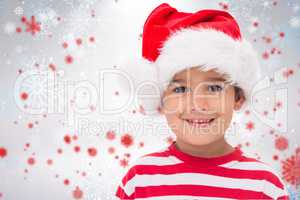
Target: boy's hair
pixel 238 93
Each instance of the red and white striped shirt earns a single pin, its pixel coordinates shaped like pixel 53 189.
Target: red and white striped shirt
pixel 171 174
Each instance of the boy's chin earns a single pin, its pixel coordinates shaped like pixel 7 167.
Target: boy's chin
pixel 200 138
pixel 200 142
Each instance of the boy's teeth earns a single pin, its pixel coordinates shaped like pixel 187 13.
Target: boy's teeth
pixel 198 120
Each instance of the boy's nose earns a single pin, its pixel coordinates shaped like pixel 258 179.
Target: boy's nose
pixel 201 105
pixel 195 110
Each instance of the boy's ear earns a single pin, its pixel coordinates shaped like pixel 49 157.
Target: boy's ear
pixel 238 104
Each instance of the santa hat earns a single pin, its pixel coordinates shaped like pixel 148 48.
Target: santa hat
pixel 173 41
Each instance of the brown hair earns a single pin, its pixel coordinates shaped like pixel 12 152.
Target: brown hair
pixel 238 93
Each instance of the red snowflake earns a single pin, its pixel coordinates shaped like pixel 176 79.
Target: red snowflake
pixel 31 25
pixel 265 55
pixel 31 161
pixel 67 139
pixel 224 6
pixel 255 24
pixel 69 59
pixel 281 143
pixel 77 193
pixel 24 96
pixel 92 151
pixel 111 150
pixel 110 135
pixel 77 149
pixel 291 169
pixel 30 125
pixel 275 157
pixel 92 39
pixel 66 182
pixel 124 162
pixel 3 152
pixel 250 126
pixel 278 104
pixel 78 41
pixel 49 162
pixel 281 34
pixel 141 144
pixel 127 140
pixel 288 73
pixel 65 45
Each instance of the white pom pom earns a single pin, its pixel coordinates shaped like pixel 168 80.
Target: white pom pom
pixel 141 81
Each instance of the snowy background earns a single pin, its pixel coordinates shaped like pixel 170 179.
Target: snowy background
pixel 65 129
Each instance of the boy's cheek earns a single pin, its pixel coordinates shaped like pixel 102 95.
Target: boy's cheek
pixel 172 106
pixel 222 106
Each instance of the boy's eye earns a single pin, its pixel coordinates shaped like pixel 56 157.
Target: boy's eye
pixel 180 89
pixel 215 88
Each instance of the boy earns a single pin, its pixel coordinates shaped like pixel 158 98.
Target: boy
pixel 210 71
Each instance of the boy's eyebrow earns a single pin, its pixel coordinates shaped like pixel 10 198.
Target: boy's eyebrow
pixel 208 79
pixel 215 79
pixel 177 80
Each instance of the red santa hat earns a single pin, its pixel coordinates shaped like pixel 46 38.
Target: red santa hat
pixel 173 41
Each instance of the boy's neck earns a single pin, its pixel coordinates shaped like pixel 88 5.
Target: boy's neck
pixel 215 149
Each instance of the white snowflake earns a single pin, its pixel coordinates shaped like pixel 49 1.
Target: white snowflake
pixel 19 11
pixel 266 4
pixel 48 19
pixel 295 22
pixel 36 87
pixel 46 15
pixel 9 27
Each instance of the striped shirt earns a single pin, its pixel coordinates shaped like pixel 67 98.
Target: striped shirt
pixel 171 174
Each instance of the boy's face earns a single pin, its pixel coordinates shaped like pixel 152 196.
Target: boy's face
pixel 198 106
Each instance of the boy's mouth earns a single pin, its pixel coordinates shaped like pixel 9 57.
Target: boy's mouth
pixel 200 123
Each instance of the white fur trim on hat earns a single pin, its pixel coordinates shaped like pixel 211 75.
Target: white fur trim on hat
pixel 208 48
pixel 141 81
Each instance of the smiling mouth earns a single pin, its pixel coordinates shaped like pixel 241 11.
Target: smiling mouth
pixel 199 122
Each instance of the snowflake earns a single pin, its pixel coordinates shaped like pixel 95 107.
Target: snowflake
pixel 47 16
pixel 35 88
pixel 37 82
pixel 266 4
pixel 32 26
pixel 19 11
pixel 291 169
pixel 295 22
pixel 9 27
pixel 250 126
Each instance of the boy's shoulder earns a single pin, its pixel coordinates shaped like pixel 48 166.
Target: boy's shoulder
pixel 247 162
pixel 259 168
pixel 273 184
pixel 251 163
